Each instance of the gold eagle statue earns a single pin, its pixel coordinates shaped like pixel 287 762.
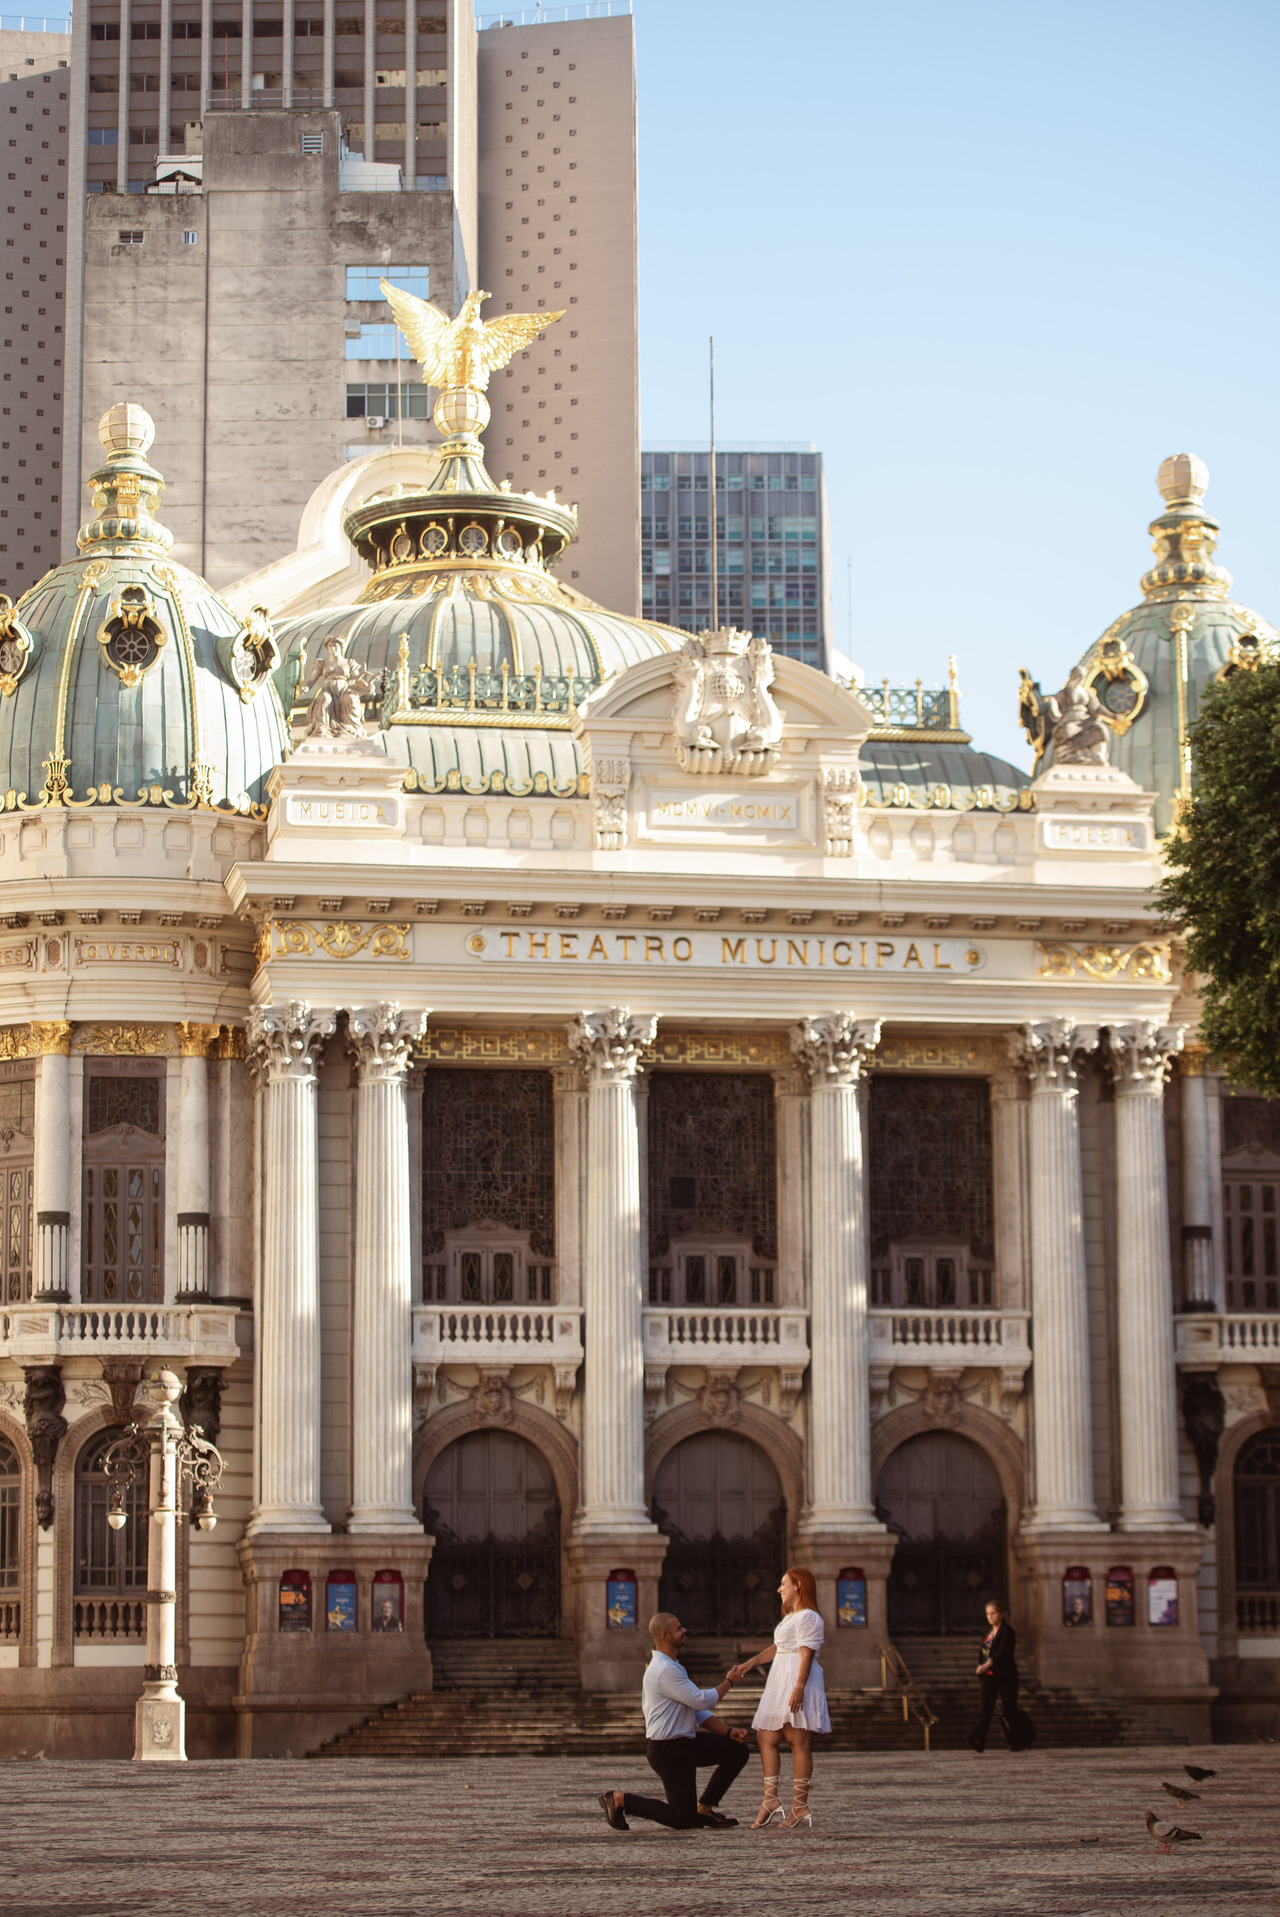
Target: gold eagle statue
pixel 462 351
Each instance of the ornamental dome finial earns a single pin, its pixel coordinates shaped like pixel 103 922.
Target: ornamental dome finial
pixel 126 428
pixel 1183 479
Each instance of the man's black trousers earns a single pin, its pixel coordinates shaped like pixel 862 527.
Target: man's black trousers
pixel 677 1761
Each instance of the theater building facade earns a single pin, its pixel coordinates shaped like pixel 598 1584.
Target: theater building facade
pixel 591 1117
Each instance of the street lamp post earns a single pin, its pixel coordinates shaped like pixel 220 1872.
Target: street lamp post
pixel 160 1452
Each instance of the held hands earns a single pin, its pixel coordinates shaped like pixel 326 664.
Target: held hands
pixel 739 1671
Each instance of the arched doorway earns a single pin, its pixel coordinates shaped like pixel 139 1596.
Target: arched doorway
pixel 718 1499
pixel 490 1501
pixel 1257 1516
pixel 942 1497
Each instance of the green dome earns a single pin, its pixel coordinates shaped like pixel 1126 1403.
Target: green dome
pixel 1151 667
pixel 124 678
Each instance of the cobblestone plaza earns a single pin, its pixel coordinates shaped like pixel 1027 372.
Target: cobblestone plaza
pixel 1060 1831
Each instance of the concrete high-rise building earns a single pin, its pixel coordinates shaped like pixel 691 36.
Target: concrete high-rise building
pixel 34 83
pixel 242 175
pixel 558 228
pixel 773 539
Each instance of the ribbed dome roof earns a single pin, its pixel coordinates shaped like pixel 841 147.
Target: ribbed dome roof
pixel 1187 632
pixel 123 676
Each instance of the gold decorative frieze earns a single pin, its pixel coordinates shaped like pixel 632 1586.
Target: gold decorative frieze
pixel 535 1045
pixel 125 1041
pixel 20 1041
pixel 541 785
pixel 339 938
pixel 767 1050
pixel 929 1054
pixel 1139 964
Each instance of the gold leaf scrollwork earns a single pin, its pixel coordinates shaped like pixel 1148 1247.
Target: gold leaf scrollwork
pixel 125 1041
pixel 340 939
pixel 1144 963
pixel 21 1041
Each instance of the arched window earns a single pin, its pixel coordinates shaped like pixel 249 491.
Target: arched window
pixel 111 1566
pixel 10 1542
pixel 1257 1514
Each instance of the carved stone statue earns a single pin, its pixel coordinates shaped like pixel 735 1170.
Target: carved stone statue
pixel 1204 1417
pixel 43 1401
pixel 1081 735
pixel 724 714
pixel 335 711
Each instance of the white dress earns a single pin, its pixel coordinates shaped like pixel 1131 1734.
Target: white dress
pixel 798 1630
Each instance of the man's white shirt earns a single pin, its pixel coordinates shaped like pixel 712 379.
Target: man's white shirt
pixel 673 1704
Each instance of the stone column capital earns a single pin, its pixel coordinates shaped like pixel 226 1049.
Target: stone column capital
pixel 608 1044
pixel 1140 1056
pixel 1193 1060
pixel 282 1041
pixel 51 1037
pixel 1049 1050
pixel 381 1039
pixel 834 1047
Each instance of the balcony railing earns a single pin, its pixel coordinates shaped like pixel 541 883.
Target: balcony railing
pixel 762 1336
pixel 262 99
pixel 10 1620
pixel 966 1337
pixel 1206 1338
pixel 195 1334
pixel 110 1621
pixel 1258 1613
pixel 494 1338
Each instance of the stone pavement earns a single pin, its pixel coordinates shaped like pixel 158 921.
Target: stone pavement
pixel 1057 1831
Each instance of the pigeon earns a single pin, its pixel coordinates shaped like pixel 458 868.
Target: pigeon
pixel 1167 1835
pixel 1180 1794
pixel 1195 1773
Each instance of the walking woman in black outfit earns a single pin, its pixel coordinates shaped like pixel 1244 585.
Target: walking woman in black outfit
pixel 998 1676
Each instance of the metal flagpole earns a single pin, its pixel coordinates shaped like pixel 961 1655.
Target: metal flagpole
pixel 715 548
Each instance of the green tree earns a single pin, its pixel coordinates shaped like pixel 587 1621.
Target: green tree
pixel 1222 886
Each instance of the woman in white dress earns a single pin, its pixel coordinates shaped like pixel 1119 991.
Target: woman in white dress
pixel 794 1705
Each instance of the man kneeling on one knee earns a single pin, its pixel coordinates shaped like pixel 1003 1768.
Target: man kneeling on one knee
pixel 682 1737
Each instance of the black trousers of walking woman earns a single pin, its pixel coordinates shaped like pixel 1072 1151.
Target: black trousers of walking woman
pixel 1002 1688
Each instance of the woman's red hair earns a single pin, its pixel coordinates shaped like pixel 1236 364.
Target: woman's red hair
pixel 806 1585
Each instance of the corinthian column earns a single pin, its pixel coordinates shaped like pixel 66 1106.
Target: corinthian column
pixel 833 1050
pixel 1140 1055
pixel 1049 1052
pixel 382 1042
pixel 53 1159
pixel 608 1046
pixel 282 1048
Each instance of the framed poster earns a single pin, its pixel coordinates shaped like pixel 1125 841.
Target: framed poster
pixel 1077 1596
pixel 1162 1596
pixel 851 1600
pixel 295 1601
pixel 1120 1608
pixel 388 1601
pixel 621 1600
pixel 340 1601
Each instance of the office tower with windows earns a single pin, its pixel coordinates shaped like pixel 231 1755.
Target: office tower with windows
pixel 558 229
pixel 772 540
pixel 243 173
pixel 34 83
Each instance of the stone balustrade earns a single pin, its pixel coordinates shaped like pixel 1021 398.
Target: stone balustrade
pixel 1207 1339
pixel 190 1334
pixel 725 1340
pixel 922 1337
pixel 502 1334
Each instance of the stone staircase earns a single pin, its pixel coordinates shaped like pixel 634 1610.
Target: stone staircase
pixel 521 1698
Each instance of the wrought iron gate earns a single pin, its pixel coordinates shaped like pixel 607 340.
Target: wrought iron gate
pixel 494 1587
pixel 939 1586
pixel 719 1586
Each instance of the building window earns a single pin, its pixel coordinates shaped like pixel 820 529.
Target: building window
pixel 1257 1518
pixel 380 341
pixel 10 1542
pixel 17 1139
pixel 363 282
pixel 122 1225
pixel 189 238
pixel 489 1161
pixel 130 236
pixel 104 136
pixel 390 401
pixel 1249 1213
pixel 313 142
pixel 110 1566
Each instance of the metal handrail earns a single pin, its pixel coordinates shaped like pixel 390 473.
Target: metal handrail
pixel 914 1702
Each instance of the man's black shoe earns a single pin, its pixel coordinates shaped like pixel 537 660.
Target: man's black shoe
pixel 717 1821
pixel 612 1813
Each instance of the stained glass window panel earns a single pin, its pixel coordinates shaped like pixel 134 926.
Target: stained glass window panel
pixel 931 1162
pixel 712 1166
pixel 488 1152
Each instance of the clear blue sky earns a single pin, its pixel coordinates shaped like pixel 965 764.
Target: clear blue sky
pixel 996 261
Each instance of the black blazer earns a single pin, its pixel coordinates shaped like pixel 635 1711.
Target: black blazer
pixel 1000 1652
